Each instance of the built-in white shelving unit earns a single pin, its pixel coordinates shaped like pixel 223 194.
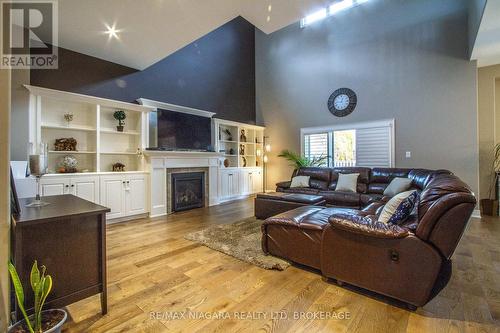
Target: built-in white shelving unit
pixel 239 150
pixel 99 144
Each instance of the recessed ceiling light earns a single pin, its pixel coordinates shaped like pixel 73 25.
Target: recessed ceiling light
pixel 268 18
pixel 111 31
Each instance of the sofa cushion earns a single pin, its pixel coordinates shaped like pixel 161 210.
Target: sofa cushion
pixel 386 175
pixel 305 190
pixel 300 181
pixel 366 198
pixel 319 177
pixel 399 208
pixel 343 199
pixel 347 182
pixel 363 178
pixel 397 185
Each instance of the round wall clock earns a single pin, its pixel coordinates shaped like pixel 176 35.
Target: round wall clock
pixel 342 102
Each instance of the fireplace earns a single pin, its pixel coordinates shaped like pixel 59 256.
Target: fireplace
pixel 188 190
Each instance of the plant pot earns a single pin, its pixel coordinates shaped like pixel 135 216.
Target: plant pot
pixel 54 327
pixel 489 207
pixel 119 128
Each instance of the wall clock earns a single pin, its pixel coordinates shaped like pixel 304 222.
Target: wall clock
pixel 342 102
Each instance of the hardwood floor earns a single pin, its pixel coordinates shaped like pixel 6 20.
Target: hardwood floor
pixel 154 272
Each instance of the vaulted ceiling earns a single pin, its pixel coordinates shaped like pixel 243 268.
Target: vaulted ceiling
pixel 487 47
pixel 150 30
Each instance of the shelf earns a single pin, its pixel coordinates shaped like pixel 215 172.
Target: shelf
pixel 227 141
pixel 112 131
pixel 247 155
pixel 229 155
pixel 71 128
pixel 118 153
pixel 247 143
pixel 71 152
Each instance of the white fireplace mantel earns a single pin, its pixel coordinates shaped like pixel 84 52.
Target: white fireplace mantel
pixel 160 161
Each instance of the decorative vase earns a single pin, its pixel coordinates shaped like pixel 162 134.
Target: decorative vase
pixel 57 328
pixel 119 128
pixel 489 207
pixel 38 160
pixel 226 163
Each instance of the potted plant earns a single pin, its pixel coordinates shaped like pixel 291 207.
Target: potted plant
pixel 48 321
pixel 489 206
pixel 120 116
pixel 298 161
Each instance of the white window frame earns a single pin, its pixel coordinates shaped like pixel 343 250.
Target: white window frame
pixel 353 126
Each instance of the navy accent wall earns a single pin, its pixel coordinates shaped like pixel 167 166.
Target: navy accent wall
pixel 215 73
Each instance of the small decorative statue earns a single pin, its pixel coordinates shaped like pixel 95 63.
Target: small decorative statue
pixel 68 164
pixel 65 144
pixel 231 151
pixel 68 117
pixel 229 136
pixel 244 161
pixel 118 167
pixel 242 149
pixel 120 116
pixel 243 137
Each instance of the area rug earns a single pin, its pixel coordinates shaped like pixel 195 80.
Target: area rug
pixel 241 240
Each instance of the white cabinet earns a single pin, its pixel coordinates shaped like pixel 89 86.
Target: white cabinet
pixel 239 182
pixel 257 181
pixel 84 187
pixel 135 195
pixel 113 195
pixel 125 195
pixel 229 183
pixel 55 186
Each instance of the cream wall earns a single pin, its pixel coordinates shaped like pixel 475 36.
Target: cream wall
pixel 488 123
pixel 4 196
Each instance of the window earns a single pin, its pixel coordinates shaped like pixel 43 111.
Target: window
pixel 367 144
pixel 316 146
pixel 336 7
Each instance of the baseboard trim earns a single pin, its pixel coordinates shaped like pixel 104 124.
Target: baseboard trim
pixel 476 213
pixel 127 218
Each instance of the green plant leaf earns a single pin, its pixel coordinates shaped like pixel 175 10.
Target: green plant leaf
pixel 35 275
pixel 19 291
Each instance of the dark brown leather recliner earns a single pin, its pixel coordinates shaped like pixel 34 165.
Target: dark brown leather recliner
pixel 410 262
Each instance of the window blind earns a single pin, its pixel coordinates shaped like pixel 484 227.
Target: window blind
pixel 374 147
pixel 316 145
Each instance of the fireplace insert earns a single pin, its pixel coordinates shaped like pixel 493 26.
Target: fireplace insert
pixel 188 191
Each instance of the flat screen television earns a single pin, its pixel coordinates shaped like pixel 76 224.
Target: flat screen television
pixel 182 131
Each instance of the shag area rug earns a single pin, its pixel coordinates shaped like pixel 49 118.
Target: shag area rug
pixel 241 240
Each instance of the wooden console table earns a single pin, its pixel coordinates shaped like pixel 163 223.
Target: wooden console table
pixel 69 238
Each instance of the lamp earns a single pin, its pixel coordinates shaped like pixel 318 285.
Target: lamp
pixel 265 159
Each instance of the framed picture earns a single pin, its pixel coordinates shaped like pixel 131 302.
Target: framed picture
pixel 15 209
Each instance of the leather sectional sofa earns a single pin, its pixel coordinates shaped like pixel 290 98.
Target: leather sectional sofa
pixel 409 262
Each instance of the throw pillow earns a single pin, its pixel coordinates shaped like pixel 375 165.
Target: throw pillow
pixel 399 208
pixel 347 182
pixel 397 186
pixel 300 181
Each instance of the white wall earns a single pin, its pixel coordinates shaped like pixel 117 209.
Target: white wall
pixel 406 60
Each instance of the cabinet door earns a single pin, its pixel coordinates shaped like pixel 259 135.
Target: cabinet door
pixel 135 195
pixel 112 195
pixel 229 184
pixel 86 188
pixel 257 181
pixel 55 186
pixel 234 185
pixel 245 183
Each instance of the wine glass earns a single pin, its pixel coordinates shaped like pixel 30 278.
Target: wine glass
pixel 37 167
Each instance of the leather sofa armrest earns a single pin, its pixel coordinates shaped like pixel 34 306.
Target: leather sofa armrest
pixel 284 184
pixel 367 226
